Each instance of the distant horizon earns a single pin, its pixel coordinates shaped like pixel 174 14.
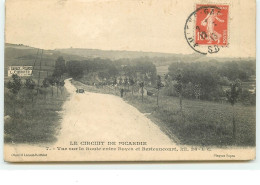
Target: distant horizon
pixel 98 49
pixel 194 53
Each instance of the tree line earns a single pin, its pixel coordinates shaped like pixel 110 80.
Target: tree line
pixel 105 71
pixel 197 80
pixel 210 80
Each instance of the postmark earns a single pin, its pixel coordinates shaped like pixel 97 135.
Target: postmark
pixel 206 29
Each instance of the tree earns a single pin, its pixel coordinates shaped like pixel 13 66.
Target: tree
pixel 57 83
pixel 159 85
pixel 30 86
pixel 179 85
pixel 188 91
pixel 169 84
pixel 103 75
pixel 45 85
pixel 75 69
pixel 197 91
pixel 141 84
pixel 232 96
pixel 126 84
pixel 51 81
pixel 62 83
pixel 148 70
pixel 120 81
pixel 203 75
pixel 132 83
pixel 14 87
pixel 115 83
pixel 112 70
pixel 60 67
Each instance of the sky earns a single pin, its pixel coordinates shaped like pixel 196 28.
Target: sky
pixel 135 25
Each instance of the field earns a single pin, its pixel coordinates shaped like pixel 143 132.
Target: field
pixel 201 123
pixel 34 121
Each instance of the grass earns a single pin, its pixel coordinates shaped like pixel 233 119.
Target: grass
pixel 202 123
pixel 33 122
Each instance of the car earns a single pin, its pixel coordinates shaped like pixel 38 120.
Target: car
pixel 80 91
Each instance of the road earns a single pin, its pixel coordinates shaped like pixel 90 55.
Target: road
pixel 93 116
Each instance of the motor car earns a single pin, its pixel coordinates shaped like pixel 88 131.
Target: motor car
pixel 80 91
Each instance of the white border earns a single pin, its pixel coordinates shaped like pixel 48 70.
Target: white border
pixel 252 165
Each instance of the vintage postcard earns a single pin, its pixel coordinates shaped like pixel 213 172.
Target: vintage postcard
pixel 129 80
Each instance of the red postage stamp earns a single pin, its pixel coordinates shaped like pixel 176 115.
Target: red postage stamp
pixel 212 25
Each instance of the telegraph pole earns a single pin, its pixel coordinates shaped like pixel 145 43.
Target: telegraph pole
pixel 35 60
pixel 39 76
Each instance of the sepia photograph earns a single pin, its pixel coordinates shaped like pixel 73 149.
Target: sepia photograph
pixel 129 80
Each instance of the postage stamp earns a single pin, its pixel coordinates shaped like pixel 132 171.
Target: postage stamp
pixel 212 25
pixel 206 29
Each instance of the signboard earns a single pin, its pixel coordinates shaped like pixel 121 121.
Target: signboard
pixel 20 70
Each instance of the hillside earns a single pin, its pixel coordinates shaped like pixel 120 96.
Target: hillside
pixel 19 54
pixel 113 54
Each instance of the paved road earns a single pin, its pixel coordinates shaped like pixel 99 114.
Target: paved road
pixel 93 116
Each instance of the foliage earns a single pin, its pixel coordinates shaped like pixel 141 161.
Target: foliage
pixel 62 83
pixel 209 80
pixel 126 81
pixel 45 82
pixel 99 70
pixel 131 81
pixel 233 93
pixel 115 81
pixel 30 84
pixel 159 83
pixel 75 69
pixel 29 123
pixel 51 80
pixel 141 84
pixel 178 77
pixel 60 67
pixel 32 124
pixel 15 85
